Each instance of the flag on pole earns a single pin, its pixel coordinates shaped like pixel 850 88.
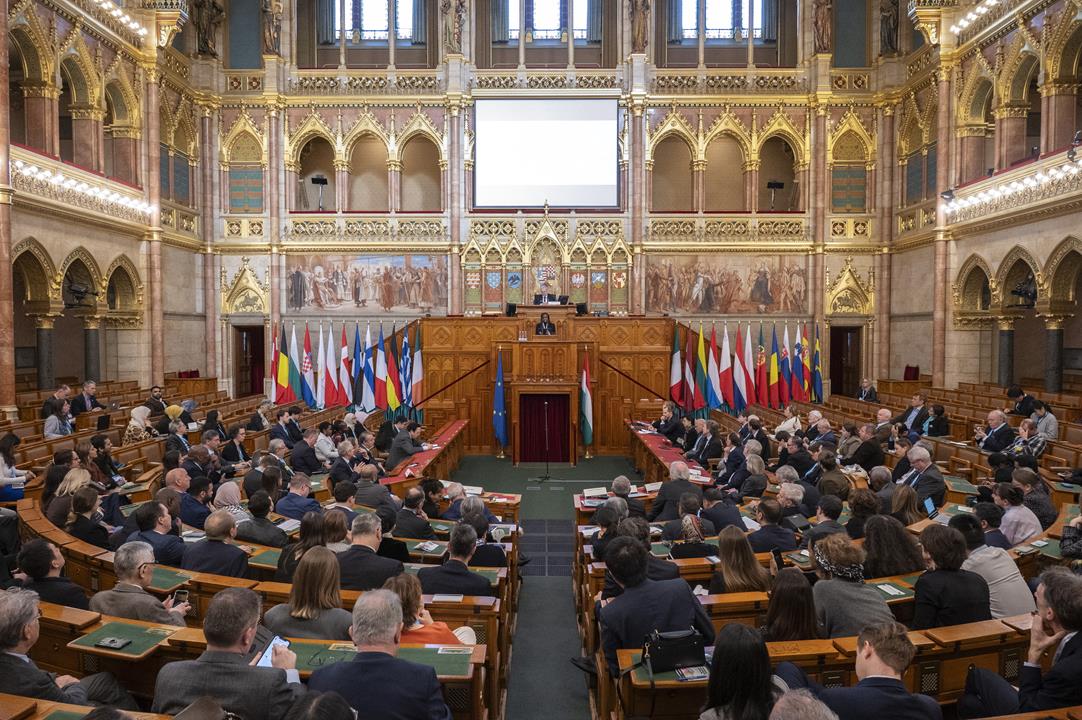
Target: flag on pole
pixel 762 381
pixel 380 385
pixel 357 368
pixel 786 369
pixel 586 404
pixel 394 386
pixel 717 399
pixel 749 366
pixel 693 396
pixel 284 392
pixel 773 370
pixel 418 370
pixel 308 380
pixel 405 372
pixel 296 382
pixel 799 388
pixel 333 355
pixel 368 373
pixel 676 368
pixel 817 370
pixel 808 365
pixel 702 378
pixel 740 376
pixel 345 371
pixel 320 374
pixel 725 368
pixel 499 405
pixel 274 366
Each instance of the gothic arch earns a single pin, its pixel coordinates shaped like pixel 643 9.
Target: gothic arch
pixel 1021 60
pixel 366 125
pixel 1013 270
pixel 83 256
pixel 32 40
pixel 1063 46
pixel 1061 271
pixel 969 283
pixel 185 122
pixel 78 67
pixel 976 92
pixel 123 291
pixel 844 139
pixel 418 124
pixel 779 125
pixel 675 124
pixel 730 125
pixel 30 258
pixel 243 143
pixel 313 126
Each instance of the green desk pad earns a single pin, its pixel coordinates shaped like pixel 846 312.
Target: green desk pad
pixel 911 580
pixel 1052 549
pixel 640 675
pixel 165 579
pixel 1071 512
pixel 312 656
pixel 491 574
pixel 127 510
pixel 662 549
pixel 143 639
pixel 961 485
pixel 411 546
pixel 66 715
pixel 1068 487
pixel 266 558
pixel 440 526
pixel 907 592
pixel 798 559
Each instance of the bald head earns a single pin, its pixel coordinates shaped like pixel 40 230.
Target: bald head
pixel 679 471
pixel 177 479
pixel 219 525
pixel 883 415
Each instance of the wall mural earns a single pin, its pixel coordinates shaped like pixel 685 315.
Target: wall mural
pixel 741 284
pixel 406 284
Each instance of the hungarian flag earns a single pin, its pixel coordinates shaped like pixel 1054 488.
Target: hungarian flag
pixel 799 388
pixel 740 376
pixel 586 404
pixel 284 393
pixel 330 369
pixel 394 386
pixel 749 366
pixel 725 368
pixel 773 369
pixel 786 372
pixel 762 381
pixel 380 385
pixel 308 380
pixel 676 369
pixel 716 398
pixel 693 396
pixel 296 382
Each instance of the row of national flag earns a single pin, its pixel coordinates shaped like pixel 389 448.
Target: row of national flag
pixel 386 374
pixel 706 376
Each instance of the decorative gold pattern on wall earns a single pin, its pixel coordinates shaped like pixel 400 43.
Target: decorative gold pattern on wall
pixel 245 293
pixel 849 294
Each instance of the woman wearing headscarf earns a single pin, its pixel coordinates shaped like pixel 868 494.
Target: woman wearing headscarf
pixel 228 498
pixel 138 430
pixel 187 407
pixel 172 413
pixel 844 605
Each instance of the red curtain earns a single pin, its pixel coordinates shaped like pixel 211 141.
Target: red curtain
pixel 532 426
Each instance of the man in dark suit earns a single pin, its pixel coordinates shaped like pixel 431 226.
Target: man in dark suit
pixel 799 459
pixel 990 516
pixel 810 501
pixel 404 445
pixel 827 514
pixel 20 676
pixel 883 427
pixel 914 416
pixel 757 433
pixel 292 426
pixel 154 523
pixel 388 431
pixel 666 504
pixel 214 554
pixel 133 564
pixel 303 457
pixel 884 652
pixel 43 565
pixel 343 501
pixel 155 402
pixel 87 400
pixel 62 393
pixel 690 504
pixel 1055 628
pixel 280 431
pixel 176 440
pixel 621 487
pixel 343 469
pixel 371 493
pixel 998 436
pixel 224 671
pixel 925 477
pixel 454 576
pixel 867 391
pixel 869 453
pixel 296 503
pixel 375 682
pixel 411 521
pixel 712 445
pixel 669 423
pixel 1023 403
pixel 199 463
pixel 720 510
pixel 260 530
pixel 656 568
pixel 771 536
pixel 700 439
pixel 645 605
pixel 258 421
pixel 361 567
pixel 195 504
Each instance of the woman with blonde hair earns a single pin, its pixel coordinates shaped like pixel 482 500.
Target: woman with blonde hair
pixel 138 428
pixel 58 509
pixel 844 605
pixel 903 506
pixel 314 609
pixel 790 424
pixel 738 570
pixel 417 623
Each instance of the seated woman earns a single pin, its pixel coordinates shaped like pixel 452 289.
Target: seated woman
pixel 1035 495
pixel 1019 524
pixel 417 623
pixel 12 479
pixel 545 326
pixel 58 509
pixel 138 428
pixel 233 450
pixel 849 441
pixel 228 498
pixel 58 424
pixel 790 424
pixel 83 522
pixel 863 504
pixel 335 531
pixel 738 569
pixel 691 543
pixel 606 520
pixel 937 424
pixel 889 548
pixel 754 485
pixel 791 614
pixel 903 506
pixel 742 684
pixel 687 435
pixel 314 609
pixel 312 535
pixel 844 605
pixel 946 594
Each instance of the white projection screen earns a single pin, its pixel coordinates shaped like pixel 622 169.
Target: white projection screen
pixel 535 151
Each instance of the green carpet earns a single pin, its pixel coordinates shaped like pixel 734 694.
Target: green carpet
pixel 543 683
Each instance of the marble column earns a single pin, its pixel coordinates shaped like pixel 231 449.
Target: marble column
pixel 341 186
pixel 1058 102
pixel 940 282
pixel 884 218
pixel 1010 135
pixel 86 131
pixel 698 175
pixel 394 185
pixel 274 233
pixel 40 106
pixel 1006 351
pixel 44 331
pixel 641 176
pixel 454 205
pixel 1053 352
pixel 819 214
pixel 154 232
pixel 207 142
pixel 751 187
pixel 7 301
pixel 92 339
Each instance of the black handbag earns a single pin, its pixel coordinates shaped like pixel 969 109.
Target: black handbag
pixel 796 523
pixel 666 651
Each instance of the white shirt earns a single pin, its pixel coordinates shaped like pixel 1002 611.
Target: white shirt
pixel 1007 589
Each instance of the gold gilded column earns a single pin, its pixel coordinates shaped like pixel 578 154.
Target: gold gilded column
pixel 154 233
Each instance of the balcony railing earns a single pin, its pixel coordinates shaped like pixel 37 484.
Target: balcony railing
pixel 739 229
pixel 327 227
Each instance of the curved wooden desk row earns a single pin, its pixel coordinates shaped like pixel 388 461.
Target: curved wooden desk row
pixel 68 636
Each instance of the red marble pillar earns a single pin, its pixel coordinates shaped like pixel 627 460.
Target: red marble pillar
pixel 125 151
pixel 972 142
pixel 7 303
pixel 1058 107
pixel 207 215
pixel 40 103
pixel 86 132
pixel 154 233
pixel 884 218
pixel 274 219
pixel 1010 136
pixel 454 206
pixel 940 284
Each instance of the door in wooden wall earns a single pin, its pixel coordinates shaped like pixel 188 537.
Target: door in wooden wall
pixel 248 371
pixel 845 363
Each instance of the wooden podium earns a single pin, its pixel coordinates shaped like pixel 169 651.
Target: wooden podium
pixel 545 365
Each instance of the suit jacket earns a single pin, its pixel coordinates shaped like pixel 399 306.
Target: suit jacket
pixel 651 605
pixel 938 426
pixel 667 503
pixel 134 603
pixel 385 435
pixel 303 459
pixel 193 512
pixel 249 691
pixel 262 532
pixel 656 569
pixel 868 454
pixel 734 462
pixel 672 529
pixel 168 549
pixel 178 443
pixel 59 590
pixel 763 439
pixel 489 555
pixel 998 439
pixel 255 423
pixel 453 578
pixel 294 430
pixel 769 537
pixel 722 515
pixel 363 569
pixel 946 597
pixel 295 506
pixel 635 508
pixel 1060 687
pixel 868 395
pixel 930 483
pixel 89 531
pixel 19 677
pixel 671 428
pixel 215 556
pixel 234 452
pixel 408 525
pixel 801 461
pixel 401 448
pixel 373 684
pixel 820 531
pixel 157 407
pixel 280 432
pixel 394 549
pixel 375 495
pixel 879 697
pixel 918 422
pixel 341 469
pixel 79 404
pixel 714 448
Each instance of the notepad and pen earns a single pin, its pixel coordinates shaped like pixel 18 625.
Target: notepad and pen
pixel 429 546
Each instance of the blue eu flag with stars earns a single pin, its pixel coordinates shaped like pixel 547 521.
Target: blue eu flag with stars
pixel 499 405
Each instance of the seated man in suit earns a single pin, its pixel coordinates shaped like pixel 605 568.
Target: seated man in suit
pixel 720 510
pixel 177 439
pixel 456 496
pixel 343 493
pixel 1055 628
pixel 411 521
pixel 388 431
pixel 454 576
pixel 770 535
pixel 258 421
pixel 224 671
pixel 371 493
pixel 925 478
pixel 621 488
pixel 361 567
pixel 690 504
pixel 826 514
pixel 669 423
pixel 884 651
pixel 869 453
pixel 666 504
pixel 712 447
pixel 404 445
pixel 195 504
pixel 280 431
pixel 656 568
pixel 86 400
pixel 998 436
pixel 343 468
pixel 296 502
pixel 645 605
pixel 155 523
pixel 545 326
pixel 19 675
pixel 260 530
pixel 42 563
pixel 303 458
pixel 155 402
pixel 375 682
pixel 134 567
pixel 213 554
pixel 914 416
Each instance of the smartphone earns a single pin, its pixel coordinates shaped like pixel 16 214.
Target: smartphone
pixel 268 654
pixel 180 596
pixel 778 561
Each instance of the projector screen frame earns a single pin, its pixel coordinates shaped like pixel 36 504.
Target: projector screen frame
pixel 548 94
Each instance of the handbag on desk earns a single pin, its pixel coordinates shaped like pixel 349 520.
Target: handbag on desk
pixel 665 652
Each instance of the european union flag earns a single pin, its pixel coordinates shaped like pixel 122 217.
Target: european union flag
pixel 499 405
